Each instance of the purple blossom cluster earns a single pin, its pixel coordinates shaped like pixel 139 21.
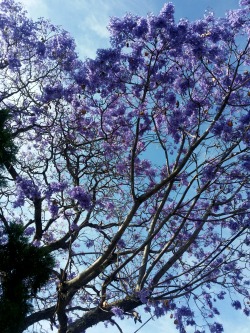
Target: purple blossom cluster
pixel 89 243
pixel 52 93
pixel 121 244
pixel 54 209
pixel 244 2
pixel 55 187
pixel 216 328
pixel 236 304
pixel 29 231
pixel 79 194
pixel 26 189
pixel 118 312
pixel 143 295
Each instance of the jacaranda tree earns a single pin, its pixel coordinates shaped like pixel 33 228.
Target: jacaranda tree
pixel 133 169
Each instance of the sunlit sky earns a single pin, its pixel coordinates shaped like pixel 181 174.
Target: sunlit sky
pixel 86 20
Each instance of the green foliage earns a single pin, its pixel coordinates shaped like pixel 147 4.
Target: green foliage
pixel 24 269
pixel 7 147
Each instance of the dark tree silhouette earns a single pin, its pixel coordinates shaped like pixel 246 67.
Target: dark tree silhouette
pixel 24 269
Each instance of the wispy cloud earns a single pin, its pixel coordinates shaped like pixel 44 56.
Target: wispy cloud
pixel 87 20
pixel 36 8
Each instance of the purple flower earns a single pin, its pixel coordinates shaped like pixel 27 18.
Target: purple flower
pixel 207 298
pixel 184 312
pixel 26 188
pixel 191 322
pixel 41 48
pixel 74 227
pixel 53 208
pixel 236 305
pixel 118 312
pixel 247 312
pixel 170 98
pixel 14 62
pixel 208 172
pixel 19 202
pixel 216 328
pixel 141 28
pixel 147 309
pixel 54 188
pixel 36 243
pixel 121 244
pixel 158 311
pixel 246 162
pixel 216 311
pixel 29 231
pixel 233 225
pixel 89 243
pixel 167 12
pixel 48 237
pixel 52 93
pixel 71 275
pixel 57 187
pixel 236 17
pixel 81 196
pixel 143 295
pixel 221 295
pixel 244 2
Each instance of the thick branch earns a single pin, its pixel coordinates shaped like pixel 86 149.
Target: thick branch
pixel 37 316
pixel 11 170
pixel 99 315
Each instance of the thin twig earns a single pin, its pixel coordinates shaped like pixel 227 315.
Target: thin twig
pixel 115 323
pixel 143 324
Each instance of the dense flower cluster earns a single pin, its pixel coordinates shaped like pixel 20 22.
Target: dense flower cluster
pixel 236 305
pixel 216 328
pixel 143 295
pixel 26 189
pixel 132 168
pixel 81 196
pixel 118 312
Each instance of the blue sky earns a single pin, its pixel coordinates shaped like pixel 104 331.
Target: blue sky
pixel 86 20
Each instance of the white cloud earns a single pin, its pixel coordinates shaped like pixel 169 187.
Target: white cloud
pixel 36 8
pixel 235 322
pixel 97 25
pixel 86 20
pixel 94 15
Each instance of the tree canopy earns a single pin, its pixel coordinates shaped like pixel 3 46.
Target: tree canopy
pixel 132 169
